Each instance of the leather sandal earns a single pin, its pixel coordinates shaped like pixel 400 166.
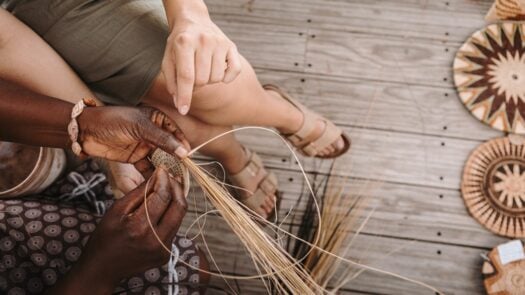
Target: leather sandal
pixel 311 148
pixel 267 184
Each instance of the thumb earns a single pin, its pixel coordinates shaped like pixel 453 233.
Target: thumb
pixel 163 140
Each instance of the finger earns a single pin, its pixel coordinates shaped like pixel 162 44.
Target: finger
pixel 185 69
pixel 234 65
pixel 168 70
pixel 172 219
pixel 203 59
pixel 182 139
pixel 145 168
pixel 218 69
pixel 158 200
pixel 162 139
pixel 134 199
pixel 127 184
pixel 170 125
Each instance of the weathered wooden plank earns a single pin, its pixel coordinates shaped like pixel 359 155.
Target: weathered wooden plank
pixel 407 212
pixel 384 58
pixel 452 269
pixel 272 46
pixel 423 20
pixel 291 13
pixel 381 69
pixel 383 105
pixel 381 155
pixel 441 20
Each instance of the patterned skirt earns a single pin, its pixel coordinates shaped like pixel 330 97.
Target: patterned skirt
pixel 42 236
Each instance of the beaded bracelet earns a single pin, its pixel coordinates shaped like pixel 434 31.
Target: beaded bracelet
pixel 72 128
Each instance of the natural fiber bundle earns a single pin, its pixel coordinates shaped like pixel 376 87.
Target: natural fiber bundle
pixel 340 224
pixel 331 234
pixel 287 275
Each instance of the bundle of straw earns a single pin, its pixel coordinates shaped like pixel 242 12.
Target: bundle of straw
pixel 340 225
pixel 287 275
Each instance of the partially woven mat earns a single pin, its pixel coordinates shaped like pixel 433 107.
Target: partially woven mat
pixel 173 165
pixel 504 271
pixel 493 186
pixel 506 10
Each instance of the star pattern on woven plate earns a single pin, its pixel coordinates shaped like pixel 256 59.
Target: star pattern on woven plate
pixel 489 73
pixel 511 184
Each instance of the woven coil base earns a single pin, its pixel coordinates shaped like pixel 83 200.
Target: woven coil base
pixel 493 186
pixel 173 165
pixel 489 73
pixel 503 278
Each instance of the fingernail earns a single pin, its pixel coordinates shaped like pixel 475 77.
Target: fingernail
pixel 174 100
pixel 183 110
pixel 181 152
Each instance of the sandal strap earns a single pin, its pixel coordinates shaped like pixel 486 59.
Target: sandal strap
pixel 309 120
pixel 251 169
pixel 330 134
pixel 309 124
pixel 266 187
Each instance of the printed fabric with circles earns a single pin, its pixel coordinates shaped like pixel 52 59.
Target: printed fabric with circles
pixel 40 240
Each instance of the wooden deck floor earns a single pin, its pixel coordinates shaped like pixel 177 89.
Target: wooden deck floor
pixel 381 69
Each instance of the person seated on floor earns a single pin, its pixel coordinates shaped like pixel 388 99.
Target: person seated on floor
pixel 171 55
pixel 61 250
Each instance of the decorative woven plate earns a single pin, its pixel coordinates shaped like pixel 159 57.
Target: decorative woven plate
pixel 489 72
pixel 506 10
pixel 493 186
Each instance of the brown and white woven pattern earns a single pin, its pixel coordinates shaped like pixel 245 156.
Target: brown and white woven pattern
pixel 506 10
pixel 493 186
pixel 489 73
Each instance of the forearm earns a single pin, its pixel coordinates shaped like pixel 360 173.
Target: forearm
pixel 84 278
pixel 32 118
pixel 184 10
pixel 28 60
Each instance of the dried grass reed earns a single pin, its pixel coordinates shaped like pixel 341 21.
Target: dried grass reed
pixel 341 222
pixel 287 273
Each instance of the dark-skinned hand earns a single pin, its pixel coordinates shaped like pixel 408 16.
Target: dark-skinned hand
pixel 128 134
pixel 123 243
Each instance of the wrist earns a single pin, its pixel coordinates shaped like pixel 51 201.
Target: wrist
pixel 78 123
pixel 80 278
pixel 183 11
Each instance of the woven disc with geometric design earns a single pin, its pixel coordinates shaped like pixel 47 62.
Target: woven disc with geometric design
pixel 489 73
pixel 493 186
pixel 502 277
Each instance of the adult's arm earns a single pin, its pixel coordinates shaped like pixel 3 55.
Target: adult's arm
pixel 123 134
pixel 197 52
pixel 123 243
pixel 25 58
